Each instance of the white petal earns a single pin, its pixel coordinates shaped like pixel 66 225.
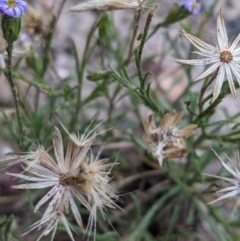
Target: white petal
pixel 227 179
pixel 36 225
pixel 236 71
pixel 29 178
pixel 6 161
pixel 54 203
pixel 219 83
pixel 38 185
pixel 81 198
pixel 205 61
pixel 235 43
pixel 227 189
pixel 227 164
pixel 230 168
pixel 201 45
pixel 46 197
pixel 54 225
pixel 39 170
pixel 80 158
pixel 68 155
pixel 208 71
pixel 66 224
pixel 58 149
pixel 75 210
pixel 211 55
pixel 230 79
pixel 91 226
pixel 236 52
pixel 221 32
pixel 227 195
pixel 236 58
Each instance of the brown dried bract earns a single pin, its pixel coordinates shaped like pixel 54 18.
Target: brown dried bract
pixel 167 140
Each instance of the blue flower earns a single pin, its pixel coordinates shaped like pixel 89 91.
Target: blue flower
pixel 13 8
pixel 191 6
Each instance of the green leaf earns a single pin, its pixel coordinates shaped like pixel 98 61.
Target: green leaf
pixel 105 24
pixel 98 75
pixel 176 14
pixel 35 63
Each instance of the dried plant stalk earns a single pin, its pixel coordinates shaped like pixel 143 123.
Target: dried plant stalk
pixel 106 5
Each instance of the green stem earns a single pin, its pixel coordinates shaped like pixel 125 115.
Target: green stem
pixel 9 75
pixel 141 76
pixel 80 72
pixel 205 85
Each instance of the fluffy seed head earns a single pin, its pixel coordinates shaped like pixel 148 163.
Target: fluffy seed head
pixel 74 178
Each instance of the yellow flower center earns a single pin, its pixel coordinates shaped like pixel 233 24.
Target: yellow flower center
pixel 226 56
pixel 11 3
pixel 194 5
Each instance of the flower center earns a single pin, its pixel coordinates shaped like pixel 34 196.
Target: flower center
pixel 194 5
pixel 11 3
pixel 226 56
pixel 66 180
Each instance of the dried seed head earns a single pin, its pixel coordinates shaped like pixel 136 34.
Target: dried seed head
pixel 33 22
pixel 73 177
pixel 167 140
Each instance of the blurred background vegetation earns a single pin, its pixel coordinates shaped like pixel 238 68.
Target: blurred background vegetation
pixel 116 68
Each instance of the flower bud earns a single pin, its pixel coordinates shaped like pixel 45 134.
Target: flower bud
pixel 11 28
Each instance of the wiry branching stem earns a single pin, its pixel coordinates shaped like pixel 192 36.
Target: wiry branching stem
pixel 139 52
pixel 135 31
pixel 9 75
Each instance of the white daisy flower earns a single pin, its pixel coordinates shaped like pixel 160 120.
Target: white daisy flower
pixel 223 58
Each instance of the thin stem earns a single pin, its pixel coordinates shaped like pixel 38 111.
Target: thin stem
pixel 141 76
pixel 135 31
pixel 9 75
pixel 203 89
pixel 80 72
pixel 46 52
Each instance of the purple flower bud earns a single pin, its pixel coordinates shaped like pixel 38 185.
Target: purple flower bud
pixel 191 6
pixel 13 8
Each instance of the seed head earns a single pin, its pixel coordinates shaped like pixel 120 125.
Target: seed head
pixel 76 178
pixel 167 140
